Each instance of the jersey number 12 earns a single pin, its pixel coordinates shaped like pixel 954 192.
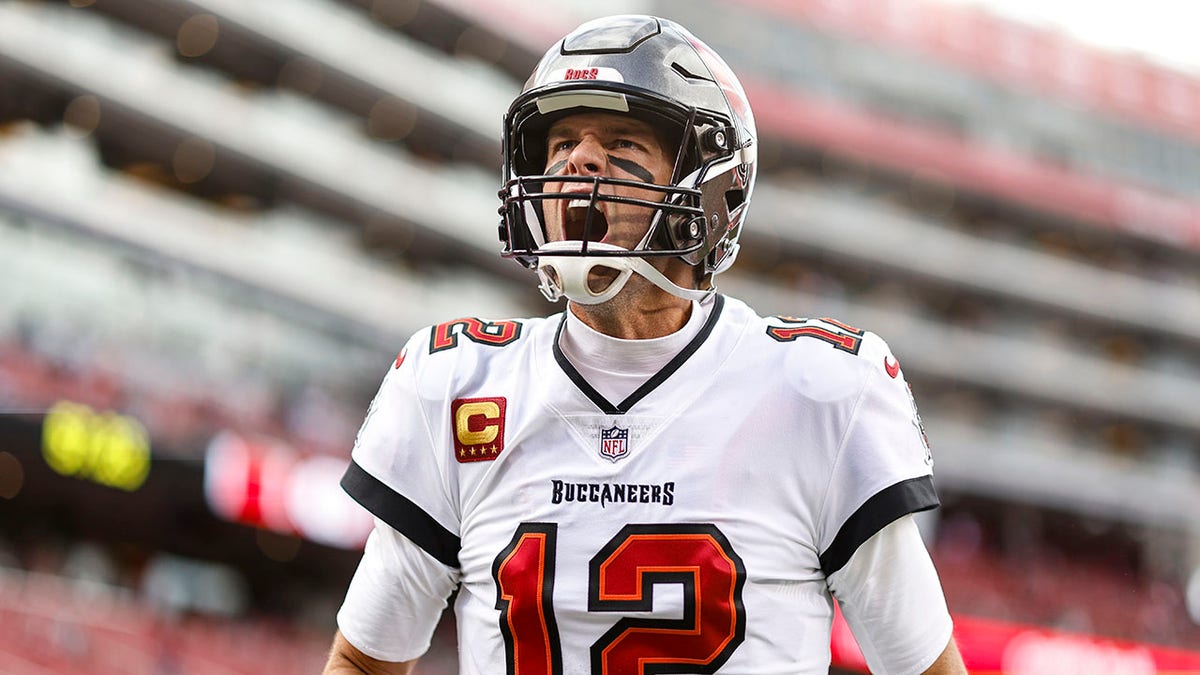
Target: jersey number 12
pixel 621 578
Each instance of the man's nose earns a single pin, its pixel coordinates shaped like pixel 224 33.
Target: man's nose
pixel 587 157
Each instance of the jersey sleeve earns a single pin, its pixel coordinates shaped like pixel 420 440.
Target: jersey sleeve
pixel 395 598
pixel 883 468
pixel 397 471
pixel 892 599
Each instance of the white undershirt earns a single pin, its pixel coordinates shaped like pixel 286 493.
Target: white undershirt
pixel 616 367
pixel 892 599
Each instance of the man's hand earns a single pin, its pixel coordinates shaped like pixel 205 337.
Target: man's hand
pixel 346 659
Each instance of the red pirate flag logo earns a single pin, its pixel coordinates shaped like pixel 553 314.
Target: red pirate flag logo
pixel 614 443
pixel 478 428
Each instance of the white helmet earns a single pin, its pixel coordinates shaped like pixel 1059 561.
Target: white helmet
pixel 655 70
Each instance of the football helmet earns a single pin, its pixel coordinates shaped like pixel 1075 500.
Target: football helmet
pixel 657 71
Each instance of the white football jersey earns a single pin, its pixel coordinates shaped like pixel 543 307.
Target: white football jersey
pixel 688 528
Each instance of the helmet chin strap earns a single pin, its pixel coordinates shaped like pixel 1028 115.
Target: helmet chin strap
pixel 568 275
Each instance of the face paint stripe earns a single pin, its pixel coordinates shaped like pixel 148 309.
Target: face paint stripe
pixel 632 168
pixel 556 167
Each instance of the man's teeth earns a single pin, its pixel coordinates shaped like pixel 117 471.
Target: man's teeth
pixel 579 203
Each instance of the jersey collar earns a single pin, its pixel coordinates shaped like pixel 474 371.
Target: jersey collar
pixel 651 384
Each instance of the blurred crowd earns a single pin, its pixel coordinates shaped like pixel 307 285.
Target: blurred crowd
pixel 1046 583
pixel 70 607
pixel 181 421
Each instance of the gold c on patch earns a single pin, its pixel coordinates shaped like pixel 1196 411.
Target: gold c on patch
pixel 478 428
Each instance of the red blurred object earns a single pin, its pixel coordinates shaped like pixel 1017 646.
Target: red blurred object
pixel 990 646
pixel 266 483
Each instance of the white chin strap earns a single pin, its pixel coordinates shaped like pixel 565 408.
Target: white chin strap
pixel 568 275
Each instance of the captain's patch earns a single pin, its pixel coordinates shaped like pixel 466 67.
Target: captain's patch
pixel 478 425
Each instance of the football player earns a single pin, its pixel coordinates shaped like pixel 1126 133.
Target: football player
pixel 656 479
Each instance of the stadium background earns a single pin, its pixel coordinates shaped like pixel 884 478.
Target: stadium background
pixel 220 219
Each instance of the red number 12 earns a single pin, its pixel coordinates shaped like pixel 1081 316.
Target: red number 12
pixel 621 578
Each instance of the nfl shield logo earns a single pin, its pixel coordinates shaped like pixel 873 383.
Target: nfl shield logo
pixel 614 443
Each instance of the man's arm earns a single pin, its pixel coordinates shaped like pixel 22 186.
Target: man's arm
pixel 949 663
pixel 346 659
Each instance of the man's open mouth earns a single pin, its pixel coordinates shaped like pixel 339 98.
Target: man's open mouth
pixel 575 221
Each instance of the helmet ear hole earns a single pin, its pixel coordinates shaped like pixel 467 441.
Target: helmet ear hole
pixel 734 198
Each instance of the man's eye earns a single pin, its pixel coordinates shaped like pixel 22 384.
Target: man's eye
pixel 561 146
pixel 625 143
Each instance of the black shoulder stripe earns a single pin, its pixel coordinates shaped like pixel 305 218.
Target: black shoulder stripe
pixel 907 496
pixel 397 511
